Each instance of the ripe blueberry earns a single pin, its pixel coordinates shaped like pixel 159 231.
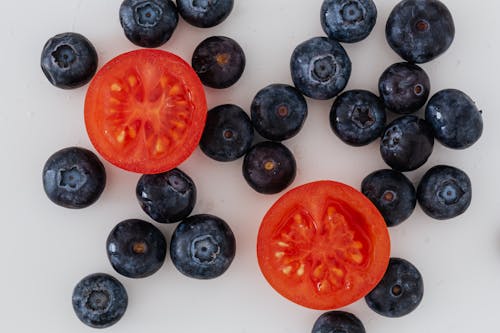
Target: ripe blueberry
pixel 338 321
pixel 205 13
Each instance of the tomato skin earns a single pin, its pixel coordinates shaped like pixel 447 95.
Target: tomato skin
pixel 323 245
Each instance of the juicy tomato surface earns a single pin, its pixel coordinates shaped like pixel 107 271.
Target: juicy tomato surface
pixel 323 245
pixel 145 111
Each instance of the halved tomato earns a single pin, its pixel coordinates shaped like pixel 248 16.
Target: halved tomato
pixel 145 111
pixel 323 245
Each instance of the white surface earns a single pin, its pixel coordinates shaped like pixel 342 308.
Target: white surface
pixel 46 249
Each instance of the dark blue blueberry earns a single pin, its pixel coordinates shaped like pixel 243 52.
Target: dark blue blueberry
pixel 320 68
pixel 348 21
pixel 269 167
pixel 166 197
pixel 338 322
pixel 407 143
pixel 69 60
pixel 99 300
pixel 202 247
pixel 278 112
pixel 148 23
pixel 358 117
pixel 204 13
pixel 392 193
pixel 136 248
pixel 228 133
pixel 399 292
pixel 74 177
pixel 444 192
pixel 219 62
pixel 404 87
pixel 455 119
pixel 420 30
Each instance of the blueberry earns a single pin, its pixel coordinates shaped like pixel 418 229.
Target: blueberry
pixel 74 177
pixel 338 321
pixel 407 143
pixel 392 193
pixel 269 167
pixel 219 62
pixel 348 21
pixel 99 300
pixel 228 133
pixel 202 247
pixel 166 197
pixel 420 30
pixel 136 248
pixel 278 112
pixel 320 68
pixel 455 119
pixel 69 60
pixel 357 117
pixel 404 87
pixel 444 192
pixel 205 13
pixel 399 292
pixel 148 23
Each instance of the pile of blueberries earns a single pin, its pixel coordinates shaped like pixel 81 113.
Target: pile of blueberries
pixel 203 246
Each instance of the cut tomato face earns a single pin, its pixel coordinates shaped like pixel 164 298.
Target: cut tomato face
pixel 145 111
pixel 323 245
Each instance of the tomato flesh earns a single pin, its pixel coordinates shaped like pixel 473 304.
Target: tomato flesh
pixel 323 245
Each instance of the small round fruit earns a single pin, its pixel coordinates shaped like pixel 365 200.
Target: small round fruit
pixel 338 321
pixel 205 14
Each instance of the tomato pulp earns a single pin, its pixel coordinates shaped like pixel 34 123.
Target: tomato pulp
pixel 145 111
pixel 323 245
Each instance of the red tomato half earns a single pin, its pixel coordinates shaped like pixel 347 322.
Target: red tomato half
pixel 323 245
pixel 145 111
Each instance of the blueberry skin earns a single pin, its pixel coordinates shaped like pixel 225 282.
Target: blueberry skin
pixel 269 167
pixel 357 117
pixel 407 143
pixel 455 119
pixel 320 68
pixel 148 23
pixel 205 13
pixel 348 21
pixel 420 30
pixel 404 87
pixel 228 133
pixel 202 246
pixel 444 192
pixel 74 177
pixel 219 62
pixel 166 197
pixel 136 248
pixel 278 112
pixel 399 292
pixel 99 300
pixel 338 321
pixel 68 60
pixel 392 193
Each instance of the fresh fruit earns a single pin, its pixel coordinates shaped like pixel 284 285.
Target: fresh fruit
pixel 228 133
pixel 219 62
pixel 148 23
pixel 74 177
pixel 357 117
pixel 444 192
pixel 205 13
pixel 323 245
pixel 145 111
pixel 338 321
pixel 320 68
pixel 136 248
pixel 69 60
pixel 278 112
pixel 166 197
pixel 202 247
pixel 399 292
pixel 99 300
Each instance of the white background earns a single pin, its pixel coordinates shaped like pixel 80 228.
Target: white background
pixel 45 249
